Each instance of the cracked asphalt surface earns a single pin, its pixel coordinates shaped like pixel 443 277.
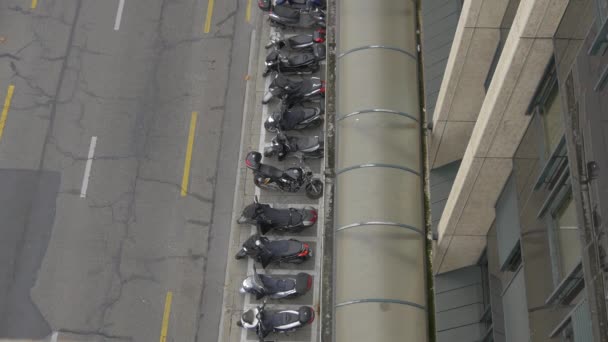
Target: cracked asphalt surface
pixel 99 267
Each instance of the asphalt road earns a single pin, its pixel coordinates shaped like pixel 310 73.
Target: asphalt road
pixel 104 102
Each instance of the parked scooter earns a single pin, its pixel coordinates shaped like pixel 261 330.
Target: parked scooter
pixel 298 42
pixel 261 285
pixel 267 218
pixel 294 63
pixel 266 252
pixel 300 147
pixel 295 118
pixel 290 180
pixel 285 16
pixel 292 90
pixel 278 321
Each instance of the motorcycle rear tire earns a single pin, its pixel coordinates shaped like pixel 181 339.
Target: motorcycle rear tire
pixel 314 189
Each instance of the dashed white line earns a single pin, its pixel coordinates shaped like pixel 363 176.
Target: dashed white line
pixel 87 168
pixel 121 6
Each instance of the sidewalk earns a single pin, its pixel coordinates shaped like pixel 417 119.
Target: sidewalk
pixel 253 138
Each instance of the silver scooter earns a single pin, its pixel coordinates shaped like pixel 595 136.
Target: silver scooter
pixel 261 285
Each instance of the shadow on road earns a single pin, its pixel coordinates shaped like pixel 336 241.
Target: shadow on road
pixel 27 213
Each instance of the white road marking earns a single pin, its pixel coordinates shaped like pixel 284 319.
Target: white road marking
pixel 87 168
pixel 121 6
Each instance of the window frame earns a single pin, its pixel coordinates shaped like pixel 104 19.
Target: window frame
pixel 564 194
pixel 600 42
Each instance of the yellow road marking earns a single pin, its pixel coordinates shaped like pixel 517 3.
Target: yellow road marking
pixel 7 105
pixel 248 11
pixel 166 314
pixel 209 15
pixel 34 4
pixel 186 177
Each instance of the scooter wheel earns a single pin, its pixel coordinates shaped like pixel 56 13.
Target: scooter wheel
pixel 314 189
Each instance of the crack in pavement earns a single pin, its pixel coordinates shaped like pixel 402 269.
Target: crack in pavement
pixel 96 333
pixel 71 83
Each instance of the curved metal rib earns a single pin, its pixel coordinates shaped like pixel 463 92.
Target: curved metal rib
pixel 381 223
pixel 382 300
pixel 409 54
pixel 392 166
pixel 389 111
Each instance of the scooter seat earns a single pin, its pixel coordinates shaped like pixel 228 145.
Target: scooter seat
pixel 271 171
pixel 277 284
pixel 281 319
pixel 299 114
pixel 287 12
pixel 300 39
pixel 307 144
pixel 285 247
pixel 284 82
pixel 301 59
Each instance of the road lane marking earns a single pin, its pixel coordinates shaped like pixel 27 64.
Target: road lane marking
pixel 166 314
pixel 7 106
pixel 87 168
pixel 188 160
pixel 248 11
pixel 121 6
pixel 209 15
pixel 34 4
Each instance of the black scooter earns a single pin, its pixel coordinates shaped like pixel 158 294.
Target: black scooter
pixel 283 146
pixel 293 90
pixel 290 180
pixel 298 42
pixel 261 285
pixel 294 63
pixel 295 118
pixel 266 252
pixel 278 321
pixel 286 16
pixel 267 218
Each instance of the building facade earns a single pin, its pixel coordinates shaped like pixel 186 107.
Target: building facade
pixel 518 152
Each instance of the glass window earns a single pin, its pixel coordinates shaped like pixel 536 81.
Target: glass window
pixel 567 235
pixel 552 119
pixel 508 226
